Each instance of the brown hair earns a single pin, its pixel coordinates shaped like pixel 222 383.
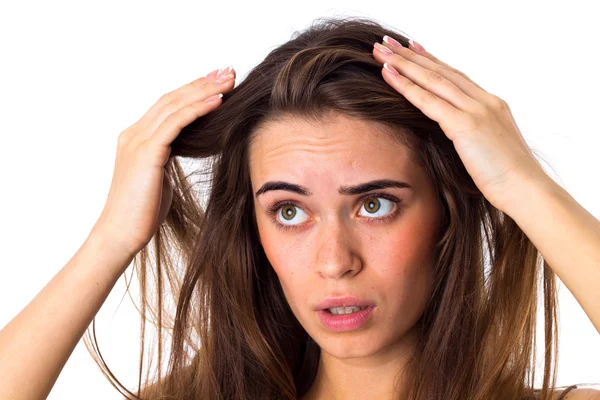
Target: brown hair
pixel 234 335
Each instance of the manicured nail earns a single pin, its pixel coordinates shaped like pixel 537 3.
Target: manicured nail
pixel 213 98
pixel 392 42
pixel 417 46
pixel 390 68
pixel 223 72
pixel 383 49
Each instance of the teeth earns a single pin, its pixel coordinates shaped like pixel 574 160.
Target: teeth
pixel 345 310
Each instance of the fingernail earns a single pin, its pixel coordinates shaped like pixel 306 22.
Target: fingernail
pixel 390 68
pixel 392 42
pixel 416 45
pixel 223 72
pixel 213 98
pixel 383 48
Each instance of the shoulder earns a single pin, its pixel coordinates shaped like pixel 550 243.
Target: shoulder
pixel 580 394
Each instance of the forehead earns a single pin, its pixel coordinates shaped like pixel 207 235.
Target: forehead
pixel 342 145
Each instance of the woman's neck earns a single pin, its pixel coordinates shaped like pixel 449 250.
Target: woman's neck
pixel 379 376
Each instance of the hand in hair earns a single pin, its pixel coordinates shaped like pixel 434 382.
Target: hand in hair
pixel 479 123
pixel 494 153
pixel 140 195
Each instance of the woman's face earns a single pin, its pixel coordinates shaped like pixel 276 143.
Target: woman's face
pixel 346 244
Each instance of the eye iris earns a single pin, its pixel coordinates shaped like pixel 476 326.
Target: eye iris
pixel 373 205
pixel 288 211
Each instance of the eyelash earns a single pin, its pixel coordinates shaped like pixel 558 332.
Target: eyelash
pixel 274 209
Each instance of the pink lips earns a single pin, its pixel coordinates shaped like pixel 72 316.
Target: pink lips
pixel 345 322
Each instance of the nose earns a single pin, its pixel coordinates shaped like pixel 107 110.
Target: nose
pixel 337 254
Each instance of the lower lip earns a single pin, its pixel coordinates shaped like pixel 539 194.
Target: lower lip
pixel 345 322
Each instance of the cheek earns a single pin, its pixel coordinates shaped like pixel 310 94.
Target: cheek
pixel 288 259
pixel 403 262
pixel 402 244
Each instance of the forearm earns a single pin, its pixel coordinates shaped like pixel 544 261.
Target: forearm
pixel 36 344
pixel 567 236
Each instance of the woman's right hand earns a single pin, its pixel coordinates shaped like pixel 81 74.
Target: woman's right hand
pixel 140 195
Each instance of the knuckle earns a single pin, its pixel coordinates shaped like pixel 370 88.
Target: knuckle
pixel 174 118
pixel 191 109
pixel 165 98
pixel 429 97
pixel 198 84
pixel 409 85
pixel 124 138
pixel 173 106
pixel 406 53
pixel 442 69
pixel 197 109
pixel 496 102
pixel 434 77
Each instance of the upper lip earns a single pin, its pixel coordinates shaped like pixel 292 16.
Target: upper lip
pixel 345 301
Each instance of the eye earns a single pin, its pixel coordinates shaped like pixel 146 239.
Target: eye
pixel 377 206
pixel 288 215
pixel 380 207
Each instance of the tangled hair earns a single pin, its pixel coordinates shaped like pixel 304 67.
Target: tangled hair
pixel 233 334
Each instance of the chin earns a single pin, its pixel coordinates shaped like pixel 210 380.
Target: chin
pixel 348 345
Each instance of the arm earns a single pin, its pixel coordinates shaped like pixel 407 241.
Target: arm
pixel 40 339
pixel 36 344
pixel 567 236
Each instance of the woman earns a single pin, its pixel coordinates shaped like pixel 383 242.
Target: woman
pixel 367 234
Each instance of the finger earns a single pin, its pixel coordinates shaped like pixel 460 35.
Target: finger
pixel 427 79
pixel 430 56
pixel 465 85
pixel 176 121
pixel 429 103
pixel 185 97
pixel 169 97
pixel 164 99
pixel 482 95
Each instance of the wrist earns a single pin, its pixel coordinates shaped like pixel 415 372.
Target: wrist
pixel 105 247
pixel 526 192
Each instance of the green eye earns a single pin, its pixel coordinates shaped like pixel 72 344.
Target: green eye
pixel 372 205
pixel 288 212
pixel 377 204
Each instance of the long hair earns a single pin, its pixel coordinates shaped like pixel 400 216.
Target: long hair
pixel 233 334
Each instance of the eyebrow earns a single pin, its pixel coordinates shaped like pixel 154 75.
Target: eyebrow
pixel 346 190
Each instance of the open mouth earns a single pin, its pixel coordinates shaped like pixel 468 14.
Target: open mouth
pixel 345 318
pixel 344 310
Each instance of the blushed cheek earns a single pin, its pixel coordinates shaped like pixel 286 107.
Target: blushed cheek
pixel 404 257
pixel 291 264
pixel 283 260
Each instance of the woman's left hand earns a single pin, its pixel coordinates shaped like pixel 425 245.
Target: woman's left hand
pixel 480 124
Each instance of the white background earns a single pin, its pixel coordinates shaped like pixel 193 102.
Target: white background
pixel 75 74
